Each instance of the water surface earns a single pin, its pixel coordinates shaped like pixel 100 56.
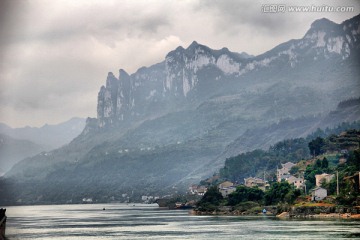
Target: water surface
pixel 139 221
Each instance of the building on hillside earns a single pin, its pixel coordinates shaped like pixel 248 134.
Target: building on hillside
pixel 225 184
pixel 197 190
pixel 284 170
pixel 318 194
pixel 256 182
pixel 87 200
pixel 225 188
pixel 147 199
pixel 297 182
pixel 323 177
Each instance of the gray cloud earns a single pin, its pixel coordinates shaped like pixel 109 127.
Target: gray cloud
pixel 55 54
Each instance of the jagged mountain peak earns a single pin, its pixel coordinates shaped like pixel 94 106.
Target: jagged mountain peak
pixel 323 23
pixel 193 44
pixel 123 74
pixel 110 75
pixel 111 80
pixel 197 71
pixel 354 20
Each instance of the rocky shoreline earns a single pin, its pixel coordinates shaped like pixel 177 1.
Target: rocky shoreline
pixel 321 212
pixel 300 212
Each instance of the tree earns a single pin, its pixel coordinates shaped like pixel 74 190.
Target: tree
pixel 294 170
pixel 244 194
pixel 354 160
pixel 211 199
pixel 316 146
pixel 281 192
pixel 324 163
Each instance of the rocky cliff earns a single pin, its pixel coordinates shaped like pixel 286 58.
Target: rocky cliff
pixel 197 73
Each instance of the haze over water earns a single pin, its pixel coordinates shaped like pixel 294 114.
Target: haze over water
pixel 139 221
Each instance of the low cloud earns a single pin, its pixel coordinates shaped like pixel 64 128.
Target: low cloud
pixel 56 54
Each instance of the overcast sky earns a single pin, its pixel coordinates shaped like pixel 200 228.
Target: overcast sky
pixel 55 55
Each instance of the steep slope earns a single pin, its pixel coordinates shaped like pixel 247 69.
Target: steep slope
pixel 14 150
pixel 165 126
pixel 262 138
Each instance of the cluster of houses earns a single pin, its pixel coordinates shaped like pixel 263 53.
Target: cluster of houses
pixel 318 193
pixel 282 174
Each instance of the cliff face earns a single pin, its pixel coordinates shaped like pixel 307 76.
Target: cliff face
pixel 115 99
pixel 197 73
pixel 128 97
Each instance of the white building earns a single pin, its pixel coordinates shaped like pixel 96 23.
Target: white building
pixel 197 190
pixel 321 177
pixel 318 194
pixel 297 182
pixel 284 170
pixel 256 182
pixel 225 188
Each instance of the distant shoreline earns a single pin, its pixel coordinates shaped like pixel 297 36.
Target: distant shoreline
pixel 293 212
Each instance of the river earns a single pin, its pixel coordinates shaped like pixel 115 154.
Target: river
pixel 140 221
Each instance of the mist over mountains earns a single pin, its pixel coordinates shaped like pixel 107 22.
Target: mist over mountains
pixel 173 123
pixel 49 136
pixel 19 143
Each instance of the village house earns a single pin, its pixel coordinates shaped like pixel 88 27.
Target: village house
pixel 256 182
pixel 284 170
pixel 87 200
pixel 323 177
pixel 297 182
pixel 284 174
pixel 197 190
pixel 147 199
pixel 225 188
pixel 318 194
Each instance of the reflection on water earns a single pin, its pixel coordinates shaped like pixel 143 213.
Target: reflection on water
pixel 121 221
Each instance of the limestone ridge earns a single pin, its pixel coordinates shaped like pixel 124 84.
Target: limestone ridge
pixel 183 66
pixel 199 73
pixel 115 99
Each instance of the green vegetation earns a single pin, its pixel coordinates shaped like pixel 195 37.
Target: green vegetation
pixel 320 166
pixel 342 150
pixel 246 198
pixel 256 162
pixel 245 194
pixel 349 180
pixel 316 146
pixel 281 192
pixel 211 200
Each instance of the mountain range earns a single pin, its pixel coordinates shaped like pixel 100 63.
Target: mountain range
pixel 173 123
pixel 19 143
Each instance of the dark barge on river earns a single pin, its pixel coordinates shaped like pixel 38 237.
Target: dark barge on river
pixel 2 223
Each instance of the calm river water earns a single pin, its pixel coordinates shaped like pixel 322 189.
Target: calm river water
pixel 121 221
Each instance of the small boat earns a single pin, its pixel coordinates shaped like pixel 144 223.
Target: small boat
pixel 180 205
pixel 2 223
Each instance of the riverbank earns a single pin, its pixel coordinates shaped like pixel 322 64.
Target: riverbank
pixel 321 211
pixel 230 211
pixel 320 215
pixel 312 211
